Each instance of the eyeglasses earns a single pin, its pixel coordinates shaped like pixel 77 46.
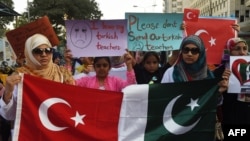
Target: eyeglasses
pixel 101 65
pixel 40 51
pixel 194 51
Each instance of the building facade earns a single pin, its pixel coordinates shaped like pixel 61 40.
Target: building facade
pixel 239 9
pixel 173 6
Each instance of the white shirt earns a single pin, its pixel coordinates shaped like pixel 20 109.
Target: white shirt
pixel 8 111
pixel 168 75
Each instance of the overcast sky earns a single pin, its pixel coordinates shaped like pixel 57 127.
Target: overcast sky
pixel 112 9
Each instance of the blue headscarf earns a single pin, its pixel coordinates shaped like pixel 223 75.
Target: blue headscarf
pixel 196 71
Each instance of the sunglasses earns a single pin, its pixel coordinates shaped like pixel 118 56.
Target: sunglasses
pixel 40 51
pixel 194 51
pixel 101 65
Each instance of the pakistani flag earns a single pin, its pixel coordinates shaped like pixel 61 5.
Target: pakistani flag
pixel 169 112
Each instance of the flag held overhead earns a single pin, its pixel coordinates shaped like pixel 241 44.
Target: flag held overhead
pixel 191 15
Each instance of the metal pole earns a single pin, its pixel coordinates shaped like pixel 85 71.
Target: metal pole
pixel 28 8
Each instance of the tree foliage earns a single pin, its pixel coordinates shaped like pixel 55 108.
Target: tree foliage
pixel 21 20
pixel 60 10
pixel 5 20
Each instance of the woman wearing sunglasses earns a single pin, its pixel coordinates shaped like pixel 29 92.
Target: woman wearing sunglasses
pixel 191 63
pixel 102 80
pixel 38 62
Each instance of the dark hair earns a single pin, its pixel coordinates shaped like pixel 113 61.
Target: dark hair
pixel 56 55
pixel 99 58
pixel 151 53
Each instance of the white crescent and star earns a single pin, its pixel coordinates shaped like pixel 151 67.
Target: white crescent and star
pixel 211 41
pixel 189 14
pixel 169 122
pixel 43 114
pixel 193 104
pixel 78 119
pixel 197 33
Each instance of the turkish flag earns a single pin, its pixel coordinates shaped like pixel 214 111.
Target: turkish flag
pixel 215 32
pixel 49 111
pixel 191 15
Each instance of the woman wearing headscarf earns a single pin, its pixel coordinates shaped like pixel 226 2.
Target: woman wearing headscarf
pixel 191 62
pixel 191 65
pixel 39 63
pixel 236 106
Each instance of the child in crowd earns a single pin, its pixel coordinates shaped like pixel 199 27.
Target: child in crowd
pixel 149 70
pixel 102 80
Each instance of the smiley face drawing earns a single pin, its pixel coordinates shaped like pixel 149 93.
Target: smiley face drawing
pixel 138 46
pixel 81 35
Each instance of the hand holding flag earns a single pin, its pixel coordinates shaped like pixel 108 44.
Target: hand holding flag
pixel 143 113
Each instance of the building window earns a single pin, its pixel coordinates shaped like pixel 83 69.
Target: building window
pixel 242 2
pixel 241 18
pixel 237 13
pixel 247 13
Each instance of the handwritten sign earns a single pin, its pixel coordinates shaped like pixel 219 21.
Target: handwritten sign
pixel 96 37
pixel 154 31
pixel 239 80
pixel 18 36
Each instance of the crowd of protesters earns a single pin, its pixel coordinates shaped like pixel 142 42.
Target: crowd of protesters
pixel 186 64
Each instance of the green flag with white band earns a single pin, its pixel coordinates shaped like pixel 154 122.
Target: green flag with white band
pixel 171 111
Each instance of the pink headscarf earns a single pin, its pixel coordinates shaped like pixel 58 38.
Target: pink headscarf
pixel 231 43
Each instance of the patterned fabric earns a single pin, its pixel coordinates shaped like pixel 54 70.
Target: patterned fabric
pixel 233 41
pixel 55 73
pixel 196 71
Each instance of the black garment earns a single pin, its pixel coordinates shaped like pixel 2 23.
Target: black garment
pixel 219 70
pixel 5 129
pixel 145 77
pixel 233 113
pixel 74 62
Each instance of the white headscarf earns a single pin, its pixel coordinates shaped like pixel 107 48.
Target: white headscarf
pixel 31 43
pixel 33 67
